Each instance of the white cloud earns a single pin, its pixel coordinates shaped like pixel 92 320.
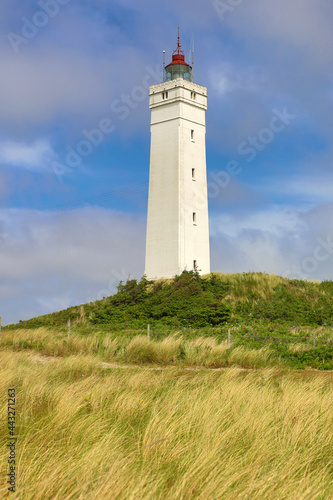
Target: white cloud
pixel 56 259
pixel 305 190
pixel 275 241
pixel 225 78
pixel 73 88
pixel 276 221
pixel 297 24
pixel 34 157
pixel 313 189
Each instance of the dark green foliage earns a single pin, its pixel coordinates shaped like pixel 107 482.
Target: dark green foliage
pixel 320 358
pixel 187 300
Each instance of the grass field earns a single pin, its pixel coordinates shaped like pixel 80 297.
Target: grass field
pixel 173 349
pixel 191 347
pixel 87 429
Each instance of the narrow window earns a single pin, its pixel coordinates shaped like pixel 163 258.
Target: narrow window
pixel 194 218
pixel 192 135
pixel 193 174
pixel 195 265
pixel 163 95
pixel 166 95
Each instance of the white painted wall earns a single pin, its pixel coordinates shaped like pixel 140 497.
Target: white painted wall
pixel 173 240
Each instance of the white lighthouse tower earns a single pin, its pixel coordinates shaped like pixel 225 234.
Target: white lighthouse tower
pixel 177 222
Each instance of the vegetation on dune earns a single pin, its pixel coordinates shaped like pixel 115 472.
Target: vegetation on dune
pixel 245 350
pixel 88 432
pixel 216 299
pixel 293 319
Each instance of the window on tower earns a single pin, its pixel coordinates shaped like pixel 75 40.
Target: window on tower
pixel 166 95
pixel 195 266
pixel 193 174
pixel 194 218
pixel 192 135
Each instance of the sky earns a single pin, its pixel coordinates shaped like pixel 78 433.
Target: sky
pixel 75 140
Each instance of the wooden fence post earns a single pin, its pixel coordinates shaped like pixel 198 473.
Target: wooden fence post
pixel 229 337
pixel 314 340
pixel 148 332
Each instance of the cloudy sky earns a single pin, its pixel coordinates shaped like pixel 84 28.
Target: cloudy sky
pixel 74 139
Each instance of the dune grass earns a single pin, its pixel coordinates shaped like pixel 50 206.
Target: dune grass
pixel 246 285
pixel 246 350
pixel 172 350
pixel 85 432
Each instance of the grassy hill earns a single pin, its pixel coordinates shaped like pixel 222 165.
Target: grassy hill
pixel 249 299
pixel 253 311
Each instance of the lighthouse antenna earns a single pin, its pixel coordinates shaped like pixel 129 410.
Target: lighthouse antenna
pixel 164 65
pixel 193 61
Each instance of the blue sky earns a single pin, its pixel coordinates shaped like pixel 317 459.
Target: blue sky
pixel 75 138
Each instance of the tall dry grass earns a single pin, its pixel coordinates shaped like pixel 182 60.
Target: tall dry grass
pixel 87 433
pixel 206 352
pixel 244 285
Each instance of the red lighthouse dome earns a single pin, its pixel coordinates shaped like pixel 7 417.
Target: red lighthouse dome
pixel 178 68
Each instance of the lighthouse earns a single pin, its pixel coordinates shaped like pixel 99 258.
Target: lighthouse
pixel 177 236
